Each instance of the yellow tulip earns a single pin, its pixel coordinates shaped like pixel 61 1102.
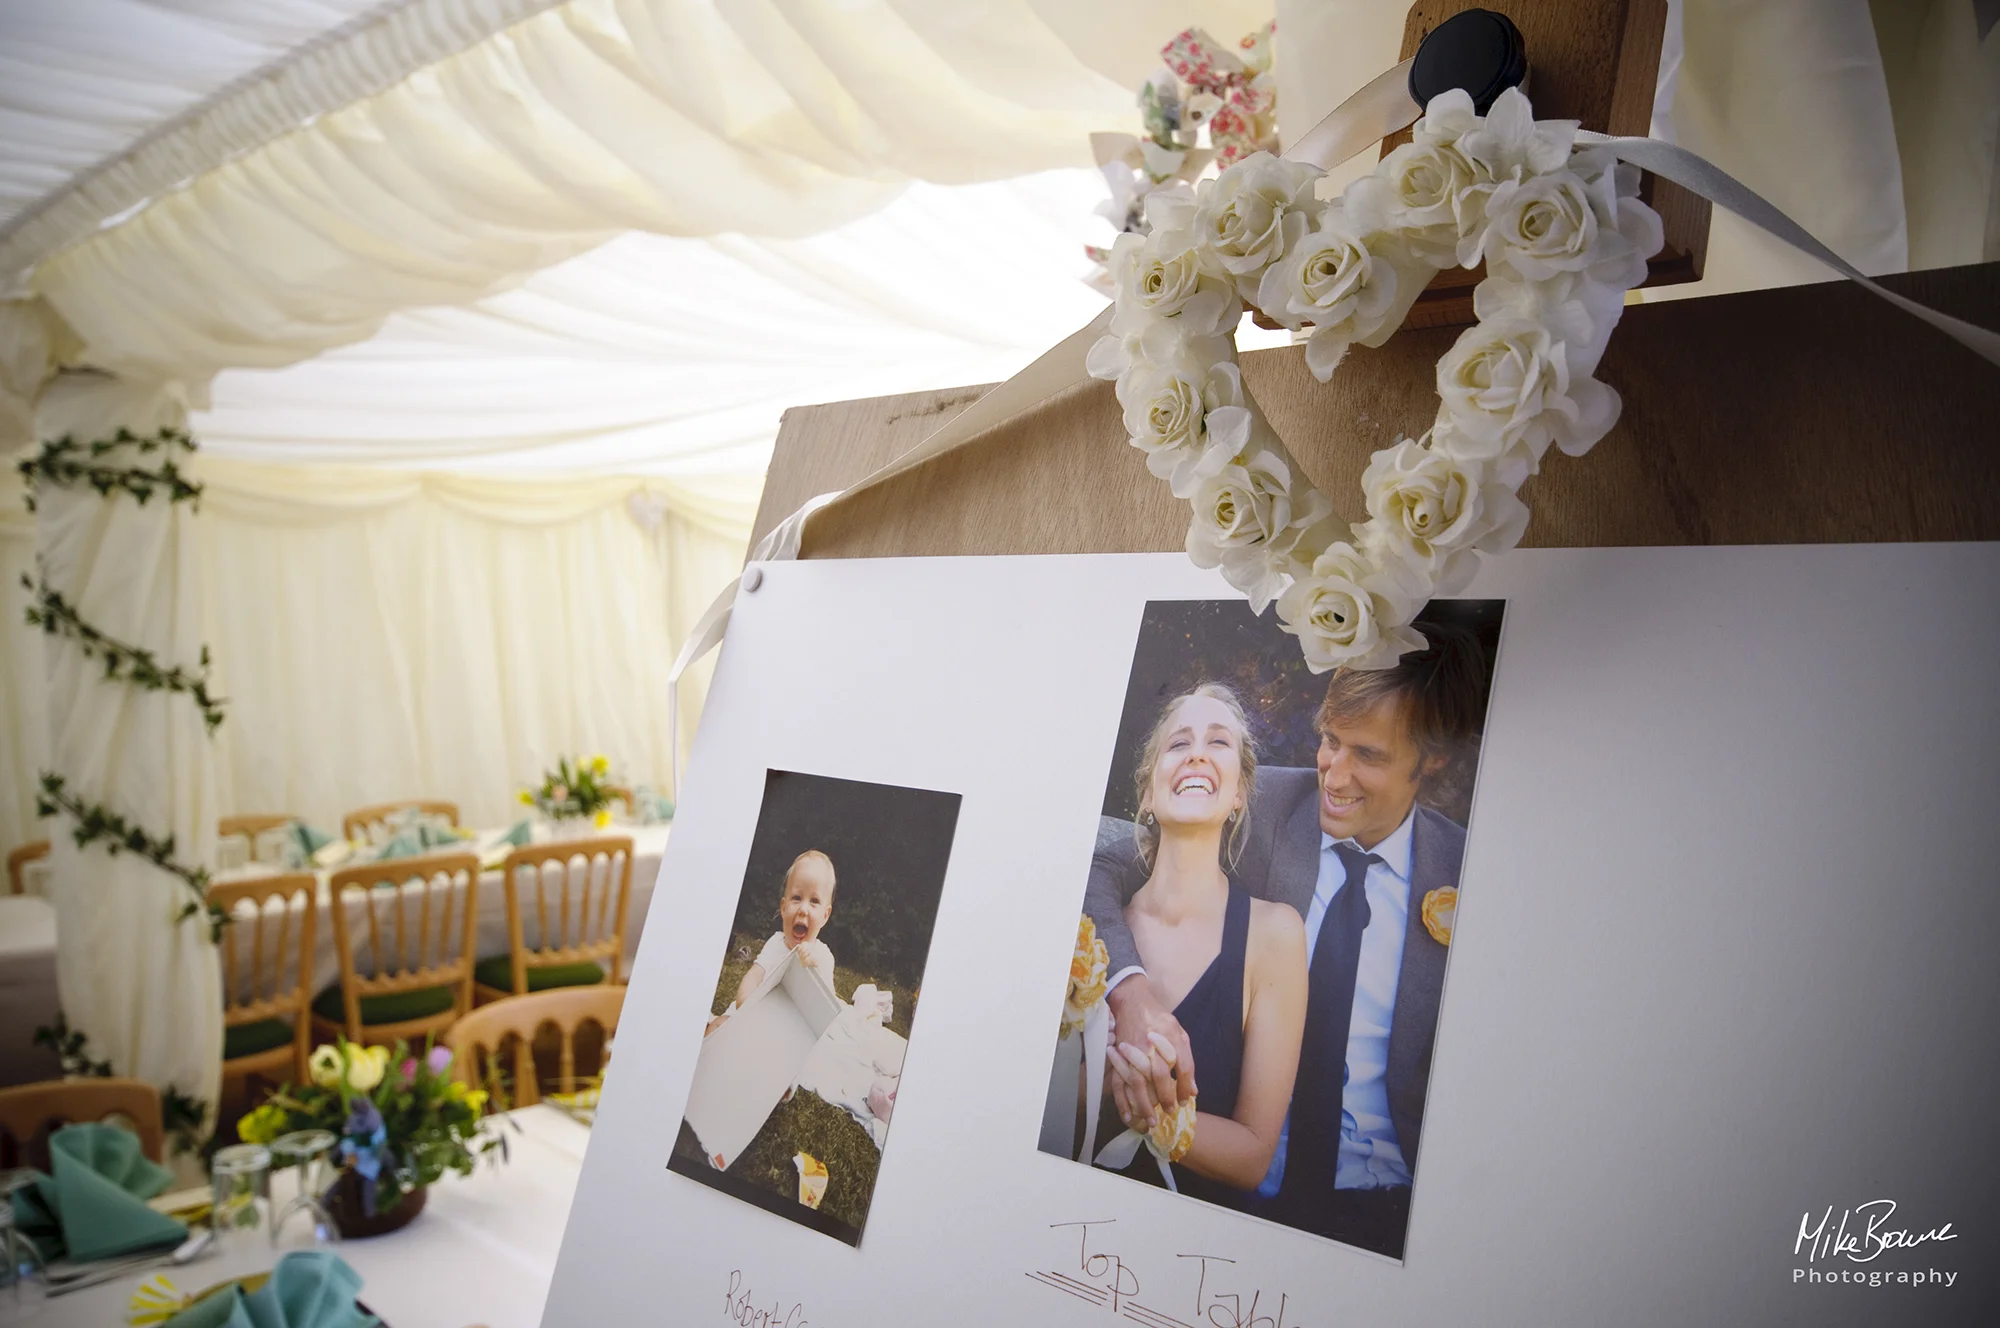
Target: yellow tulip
pixel 600 765
pixel 602 819
pixel 527 798
pixel 365 1067
pixel 476 1099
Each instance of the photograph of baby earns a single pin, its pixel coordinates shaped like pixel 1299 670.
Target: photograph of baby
pixel 802 1048
pixel 1261 950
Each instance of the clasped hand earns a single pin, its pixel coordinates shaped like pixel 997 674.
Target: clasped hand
pixel 1150 1064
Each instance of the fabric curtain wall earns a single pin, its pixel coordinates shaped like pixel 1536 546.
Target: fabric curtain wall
pixel 385 635
pixel 135 965
pixel 24 736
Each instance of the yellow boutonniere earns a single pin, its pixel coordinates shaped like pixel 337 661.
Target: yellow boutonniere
pixel 1440 912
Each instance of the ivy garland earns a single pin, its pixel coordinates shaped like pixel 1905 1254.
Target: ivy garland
pixel 181 1113
pixel 96 823
pixel 66 462
pixel 122 660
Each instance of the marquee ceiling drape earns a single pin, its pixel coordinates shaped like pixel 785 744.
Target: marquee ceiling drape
pixel 661 355
pixel 777 118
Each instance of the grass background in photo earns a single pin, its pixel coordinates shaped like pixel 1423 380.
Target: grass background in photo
pixel 806 1124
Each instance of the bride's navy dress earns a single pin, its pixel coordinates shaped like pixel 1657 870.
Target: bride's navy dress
pixel 1211 1014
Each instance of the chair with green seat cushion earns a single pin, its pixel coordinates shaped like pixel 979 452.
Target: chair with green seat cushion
pixel 497 972
pixel 267 956
pixel 404 930
pixel 391 1008
pixel 240 1040
pixel 573 895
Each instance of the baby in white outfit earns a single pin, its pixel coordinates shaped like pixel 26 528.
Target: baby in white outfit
pixel 803 909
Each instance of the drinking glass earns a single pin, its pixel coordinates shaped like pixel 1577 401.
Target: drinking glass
pixel 24 1277
pixel 240 1178
pixel 306 1154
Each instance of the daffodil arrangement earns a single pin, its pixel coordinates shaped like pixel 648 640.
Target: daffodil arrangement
pixel 573 789
pixel 403 1119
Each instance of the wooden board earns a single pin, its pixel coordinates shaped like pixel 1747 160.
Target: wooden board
pixel 1806 414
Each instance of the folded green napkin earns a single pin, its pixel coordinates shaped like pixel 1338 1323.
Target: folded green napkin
pixel 402 844
pixel 307 1289
pixel 519 834
pixel 309 840
pixel 94 1206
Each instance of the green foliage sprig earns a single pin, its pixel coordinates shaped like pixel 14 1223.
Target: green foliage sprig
pixel 123 661
pixel 181 1113
pixel 66 462
pixel 96 823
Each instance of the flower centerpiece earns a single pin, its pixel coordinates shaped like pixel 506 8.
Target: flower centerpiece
pixel 575 792
pixel 402 1121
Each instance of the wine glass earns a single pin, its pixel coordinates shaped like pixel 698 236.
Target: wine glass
pixel 305 1153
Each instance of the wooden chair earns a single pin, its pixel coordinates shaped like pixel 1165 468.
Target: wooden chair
pixel 590 883
pixel 252 826
pixel 355 824
pixel 18 860
pixel 421 980
pixel 32 1112
pixel 267 1001
pixel 481 1035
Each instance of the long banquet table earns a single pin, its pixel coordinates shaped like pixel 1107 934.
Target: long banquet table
pixel 28 992
pixel 482 1251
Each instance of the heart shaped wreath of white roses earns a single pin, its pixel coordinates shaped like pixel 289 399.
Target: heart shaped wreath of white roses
pixel 1563 235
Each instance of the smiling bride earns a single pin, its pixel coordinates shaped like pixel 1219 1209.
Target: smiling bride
pixel 1232 968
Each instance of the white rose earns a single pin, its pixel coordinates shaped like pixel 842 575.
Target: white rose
pixel 1188 417
pixel 1510 144
pixel 1431 194
pixel 1545 225
pixel 1432 510
pixel 1575 308
pixel 1447 119
pixel 1507 391
pixel 1245 217
pixel 1339 280
pixel 1247 520
pixel 1160 276
pixel 1349 611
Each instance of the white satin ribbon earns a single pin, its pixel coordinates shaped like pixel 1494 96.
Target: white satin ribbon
pixel 1379 109
pixel 1096 1039
pixel 1704 177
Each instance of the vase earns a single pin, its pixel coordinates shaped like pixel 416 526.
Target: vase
pixel 344 1206
pixel 565 828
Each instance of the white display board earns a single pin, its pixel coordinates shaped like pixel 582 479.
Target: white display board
pixel 1726 959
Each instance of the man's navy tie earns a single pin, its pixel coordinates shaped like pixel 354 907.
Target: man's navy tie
pixel 1312 1149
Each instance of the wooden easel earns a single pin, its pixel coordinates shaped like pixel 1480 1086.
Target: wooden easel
pixel 1807 414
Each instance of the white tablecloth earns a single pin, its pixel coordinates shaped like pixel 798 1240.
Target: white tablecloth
pixel 28 950
pixel 481 1252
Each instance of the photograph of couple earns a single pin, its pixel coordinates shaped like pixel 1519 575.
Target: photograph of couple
pixel 1261 953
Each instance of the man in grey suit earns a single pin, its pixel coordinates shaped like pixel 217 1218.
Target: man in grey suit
pixel 1349 845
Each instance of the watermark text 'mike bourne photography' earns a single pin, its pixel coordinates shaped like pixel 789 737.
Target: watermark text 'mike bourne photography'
pixel 1861 1235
